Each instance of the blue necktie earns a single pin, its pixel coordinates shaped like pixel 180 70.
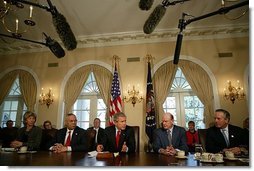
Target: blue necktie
pixel 225 136
pixel 169 137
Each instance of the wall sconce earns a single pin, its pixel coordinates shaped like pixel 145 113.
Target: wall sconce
pixel 46 98
pixel 232 93
pixel 133 96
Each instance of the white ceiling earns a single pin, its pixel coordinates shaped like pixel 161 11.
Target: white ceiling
pixel 95 18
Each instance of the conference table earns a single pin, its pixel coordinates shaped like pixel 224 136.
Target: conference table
pixel 47 158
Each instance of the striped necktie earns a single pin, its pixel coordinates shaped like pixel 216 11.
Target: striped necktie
pixel 68 140
pixel 225 136
pixel 169 137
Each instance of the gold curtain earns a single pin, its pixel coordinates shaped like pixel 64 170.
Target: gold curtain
pixel 5 84
pixel 200 84
pixel 103 79
pixel 28 89
pixel 74 86
pixel 162 82
pixel 27 84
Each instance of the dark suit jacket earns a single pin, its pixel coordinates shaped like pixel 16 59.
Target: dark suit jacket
pixel 8 135
pixel 160 139
pixel 47 138
pixel 100 137
pixel 109 142
pixel 78 139
pixel 215 141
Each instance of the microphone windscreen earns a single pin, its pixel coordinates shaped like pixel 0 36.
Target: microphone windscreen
pixel 154 19
pixel 178 48
pixel 55 47
pixel 64 31
pixel 145 4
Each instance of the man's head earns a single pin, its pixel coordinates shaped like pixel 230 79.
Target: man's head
pixel 222 118
pixel 191 126
pixel 71 121
pixel 120 120
pixel 96 123
pixel 47 124
pixel 9 124
pixel 167 120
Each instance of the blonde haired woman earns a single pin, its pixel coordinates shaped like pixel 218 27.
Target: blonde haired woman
pixel 29 135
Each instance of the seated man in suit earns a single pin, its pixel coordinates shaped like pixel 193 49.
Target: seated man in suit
pixel 8 134
pixel 223 136
pixel 70 138
pixel 119 137
pixel 170 138
pixel 99 133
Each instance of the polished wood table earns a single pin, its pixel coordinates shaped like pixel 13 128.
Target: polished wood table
pixel 45 158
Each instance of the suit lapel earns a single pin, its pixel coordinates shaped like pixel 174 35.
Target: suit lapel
pixel 74 136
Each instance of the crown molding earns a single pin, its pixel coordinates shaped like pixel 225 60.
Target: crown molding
pixel 127 38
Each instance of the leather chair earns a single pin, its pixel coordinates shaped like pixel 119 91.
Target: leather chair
pixel 90 138
pixel 136 134
pixel 202 138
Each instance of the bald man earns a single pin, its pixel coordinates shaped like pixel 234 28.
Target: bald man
pixel 170 138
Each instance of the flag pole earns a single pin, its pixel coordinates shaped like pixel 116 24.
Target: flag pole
pixel 150 119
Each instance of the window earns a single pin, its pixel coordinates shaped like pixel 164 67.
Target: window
pixel 13 106
pixel 183 103
pixel 90 105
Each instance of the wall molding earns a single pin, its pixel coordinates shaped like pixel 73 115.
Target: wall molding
pixel 137 37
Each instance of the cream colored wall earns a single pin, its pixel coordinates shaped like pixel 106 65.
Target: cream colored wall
pixel 134 73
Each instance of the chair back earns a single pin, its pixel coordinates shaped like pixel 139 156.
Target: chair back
pixel 136 134
pixel 202 138
pixel 90 139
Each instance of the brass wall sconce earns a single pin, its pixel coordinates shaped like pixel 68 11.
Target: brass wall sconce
pixel 232 93
pixel 133 96
pixel 46 98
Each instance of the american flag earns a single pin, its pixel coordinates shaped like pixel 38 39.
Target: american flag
pixel 115 101
pixel 150 106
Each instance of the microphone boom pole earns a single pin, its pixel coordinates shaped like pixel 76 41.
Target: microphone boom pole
pixel 183 23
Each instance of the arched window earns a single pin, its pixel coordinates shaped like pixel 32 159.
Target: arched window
pixel 183 103
pixel 89 104
pixel 13 106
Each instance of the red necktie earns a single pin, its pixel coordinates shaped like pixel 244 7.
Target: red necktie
pixel 118 137
pixel 68 140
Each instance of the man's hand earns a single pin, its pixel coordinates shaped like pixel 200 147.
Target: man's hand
pixel 124 147
pixel 59 148
pixel 16 144
pixel 99 148
pixel 171 150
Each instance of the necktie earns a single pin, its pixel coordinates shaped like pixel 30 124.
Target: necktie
pixel 118 137
pixel 68 140
pixel 96 135
pixel 225 136
pixel 169 137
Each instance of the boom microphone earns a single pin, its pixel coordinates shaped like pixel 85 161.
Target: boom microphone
pixel 55 47
pixel 154 19
pixel 145 4
pixel 63 28
pixel 178 47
